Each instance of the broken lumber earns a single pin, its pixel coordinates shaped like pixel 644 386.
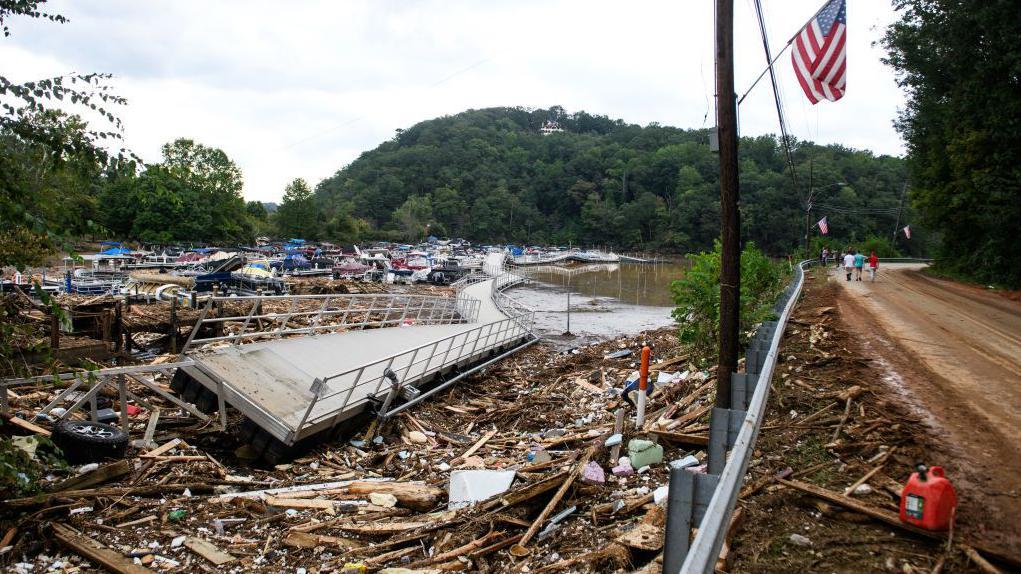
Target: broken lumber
pixel 20 422
pixel 520 549
pixel 98 476
pixel 90 549
pixel 208 551
pixel 148 490
pixel 681 438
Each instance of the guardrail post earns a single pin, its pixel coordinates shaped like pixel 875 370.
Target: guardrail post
pixel 687 499
pixel 742 387
pixel 724 425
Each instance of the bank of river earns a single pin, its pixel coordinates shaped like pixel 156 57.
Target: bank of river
pixel 606 301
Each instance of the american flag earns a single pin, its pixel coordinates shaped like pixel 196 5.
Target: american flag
pixel 824 227
pixel 907 231
pixel 820 53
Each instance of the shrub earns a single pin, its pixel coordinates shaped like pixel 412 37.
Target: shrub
pixel 697 296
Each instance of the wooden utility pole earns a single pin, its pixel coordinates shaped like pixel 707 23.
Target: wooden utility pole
pixel 730 224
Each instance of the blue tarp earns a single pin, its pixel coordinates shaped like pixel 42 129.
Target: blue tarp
pixel 116 251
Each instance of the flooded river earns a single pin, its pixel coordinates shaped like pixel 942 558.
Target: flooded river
pixel 606 301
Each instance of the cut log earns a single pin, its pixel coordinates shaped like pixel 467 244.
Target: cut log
pixel 414 495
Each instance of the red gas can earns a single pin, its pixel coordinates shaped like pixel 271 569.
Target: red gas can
pixel 928 500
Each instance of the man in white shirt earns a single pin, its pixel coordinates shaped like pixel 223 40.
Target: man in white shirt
pixel 849 264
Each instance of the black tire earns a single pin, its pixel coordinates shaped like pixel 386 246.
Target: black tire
pixel 191 391
pixel 206 401
pixel 84 442
pixel 180 381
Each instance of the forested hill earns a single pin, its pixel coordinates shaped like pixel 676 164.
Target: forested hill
pixel 491 176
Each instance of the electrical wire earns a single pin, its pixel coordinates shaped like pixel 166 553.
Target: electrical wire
pixel 785 138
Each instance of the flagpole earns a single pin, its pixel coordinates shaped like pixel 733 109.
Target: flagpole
pixel 768 68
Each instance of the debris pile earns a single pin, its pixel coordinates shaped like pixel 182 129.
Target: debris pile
pixel 531 464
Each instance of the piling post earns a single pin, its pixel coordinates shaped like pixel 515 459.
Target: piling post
pixel 54 331
pixel 173 325
pixel 118 327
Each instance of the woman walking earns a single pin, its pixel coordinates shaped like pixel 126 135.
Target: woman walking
pixel 873 266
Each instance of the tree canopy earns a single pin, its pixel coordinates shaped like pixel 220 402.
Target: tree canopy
pixel 489 175
pixel 960 64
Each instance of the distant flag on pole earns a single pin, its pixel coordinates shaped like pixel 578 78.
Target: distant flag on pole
pixel 824 226
pixel 820 53
pixel 907 231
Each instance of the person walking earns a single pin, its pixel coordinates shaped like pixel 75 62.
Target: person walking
pixel 873 266
pixel 825 256
pixel 848 264
pixel 859 263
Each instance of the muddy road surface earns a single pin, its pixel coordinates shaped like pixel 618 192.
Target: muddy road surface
pixel 952 352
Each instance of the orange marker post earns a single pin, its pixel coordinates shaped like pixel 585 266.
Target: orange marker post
pixel 643 386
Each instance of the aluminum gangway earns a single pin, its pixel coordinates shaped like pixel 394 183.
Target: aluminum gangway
pixel 328 358
pixel 297 366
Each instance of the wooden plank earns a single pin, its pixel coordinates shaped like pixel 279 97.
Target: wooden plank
pixel 302 503
pixel 682 438
pixel 98 476
pixel 475 447
pixel 95 552
pixel 22 423
pixel 165 447
pixel 208 551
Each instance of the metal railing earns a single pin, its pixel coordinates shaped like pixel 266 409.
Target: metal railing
pixel 421 362
pixel 319 314
pixel 360 383
pixel 84 387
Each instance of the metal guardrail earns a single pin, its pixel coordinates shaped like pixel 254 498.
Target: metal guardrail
pixel 707 501
pixel 318 314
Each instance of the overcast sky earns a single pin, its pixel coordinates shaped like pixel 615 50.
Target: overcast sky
pixel 300 88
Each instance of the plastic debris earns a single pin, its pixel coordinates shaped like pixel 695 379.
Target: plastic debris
pixel 644 453
pixel 592 473
pixel 470 486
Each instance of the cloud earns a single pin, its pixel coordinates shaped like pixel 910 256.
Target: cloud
pixel 300 89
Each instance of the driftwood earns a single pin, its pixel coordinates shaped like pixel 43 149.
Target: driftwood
pixel 148 490
pixel 413 495
pixel 520 549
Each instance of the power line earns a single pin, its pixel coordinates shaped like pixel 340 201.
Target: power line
pixel 785 139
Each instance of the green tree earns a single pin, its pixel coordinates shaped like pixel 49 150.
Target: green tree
pixel 960 64
pixel 297 215
pixel 217 180
pixel 414 217
pixel 42 143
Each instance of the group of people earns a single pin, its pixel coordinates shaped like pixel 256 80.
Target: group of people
pixel 853 261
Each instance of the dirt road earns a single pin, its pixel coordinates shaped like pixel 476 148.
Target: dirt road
pixel 953 352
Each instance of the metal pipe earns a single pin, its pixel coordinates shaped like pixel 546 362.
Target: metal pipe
pixel 460 376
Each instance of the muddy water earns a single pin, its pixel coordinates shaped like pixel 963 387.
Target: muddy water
pixel 606 301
